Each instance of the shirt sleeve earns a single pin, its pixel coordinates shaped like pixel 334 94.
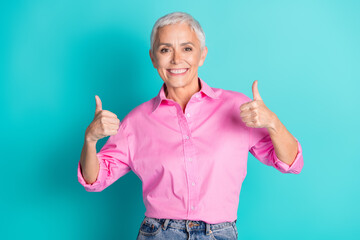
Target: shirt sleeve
pixel 114 161
pixel 261 147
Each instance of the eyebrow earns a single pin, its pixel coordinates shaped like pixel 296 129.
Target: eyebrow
pixel 169 44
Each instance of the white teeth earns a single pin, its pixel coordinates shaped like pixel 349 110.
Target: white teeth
pixel 178 71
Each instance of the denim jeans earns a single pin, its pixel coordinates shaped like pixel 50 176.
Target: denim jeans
pixel 173 229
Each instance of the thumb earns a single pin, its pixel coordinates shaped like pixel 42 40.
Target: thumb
pixel 98 104
pixel 256 94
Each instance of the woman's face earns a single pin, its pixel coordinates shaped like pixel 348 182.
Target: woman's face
pixel 177 55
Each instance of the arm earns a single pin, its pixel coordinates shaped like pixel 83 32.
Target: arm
pixel 285 145
pixel 109 164
pixel 271 143
pixel 89 162
pixel 97 171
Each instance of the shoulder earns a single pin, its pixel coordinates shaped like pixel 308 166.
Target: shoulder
pixel 231 95
pixel 139 113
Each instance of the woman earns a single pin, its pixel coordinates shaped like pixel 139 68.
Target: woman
pixel 189 144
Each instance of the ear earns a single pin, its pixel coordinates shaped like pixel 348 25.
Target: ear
pixel 152 59
pixel 203 56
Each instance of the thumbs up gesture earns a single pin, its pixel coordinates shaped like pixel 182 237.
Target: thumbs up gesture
pixel 255 114
pixel 105 123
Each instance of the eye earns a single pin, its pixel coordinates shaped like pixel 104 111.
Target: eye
pixel 164 50
pixel 188 49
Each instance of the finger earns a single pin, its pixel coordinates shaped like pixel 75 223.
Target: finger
pixel 114 132
pixel 248 106
pixel 250 124
pixel 247 113
pixel 252 116
pixel 111 126
pixel 107 129
pixel 256 94
pixel 98 104
pixel 110 131
pixel 110 120
pixel 106 113
pixel 245 106
pixel 247 119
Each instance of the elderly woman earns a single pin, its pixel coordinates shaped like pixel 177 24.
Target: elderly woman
pixel 189 145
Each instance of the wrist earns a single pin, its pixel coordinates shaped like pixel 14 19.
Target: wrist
pixel 88 139
pixel 274 125
pixel 89 142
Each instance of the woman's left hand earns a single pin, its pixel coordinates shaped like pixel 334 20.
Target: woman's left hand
pixel 255 114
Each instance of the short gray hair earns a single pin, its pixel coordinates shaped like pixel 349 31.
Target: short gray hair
pixel 178 17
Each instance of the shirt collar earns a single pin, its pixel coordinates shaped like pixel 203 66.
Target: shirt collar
pixel 205 88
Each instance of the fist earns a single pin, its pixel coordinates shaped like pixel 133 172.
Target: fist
pixel 105 123
pixel 255 114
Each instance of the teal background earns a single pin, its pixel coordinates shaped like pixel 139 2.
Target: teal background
pixel 56 55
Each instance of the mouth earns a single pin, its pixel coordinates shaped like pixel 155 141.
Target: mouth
pixel 177 71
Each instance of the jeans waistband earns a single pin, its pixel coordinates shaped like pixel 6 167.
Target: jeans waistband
pixel 191 224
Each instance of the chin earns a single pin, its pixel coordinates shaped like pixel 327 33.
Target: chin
pixel 175 83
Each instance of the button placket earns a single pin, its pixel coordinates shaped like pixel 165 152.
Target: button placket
pixel 185 120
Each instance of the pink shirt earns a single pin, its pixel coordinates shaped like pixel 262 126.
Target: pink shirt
pixel 191 164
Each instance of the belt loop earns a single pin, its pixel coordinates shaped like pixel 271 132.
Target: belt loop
pixel 166 223
pixel 208 231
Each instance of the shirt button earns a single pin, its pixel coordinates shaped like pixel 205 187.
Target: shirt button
pixel 188 114
pixel 192 207
pixel 193 184
pixel 190 159
pixel 186 136
pixel 197 95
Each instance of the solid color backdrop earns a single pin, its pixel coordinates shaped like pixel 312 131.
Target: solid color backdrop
pixel 56 55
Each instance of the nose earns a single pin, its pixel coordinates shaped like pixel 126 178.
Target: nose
pixel 175 57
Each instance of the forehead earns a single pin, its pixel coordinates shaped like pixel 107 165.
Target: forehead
pixel 176 32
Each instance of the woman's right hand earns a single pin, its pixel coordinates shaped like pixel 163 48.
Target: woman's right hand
pixel 105 123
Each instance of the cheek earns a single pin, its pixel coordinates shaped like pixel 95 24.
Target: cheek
pixel 161 71
pixel 162 63
pixel 194 60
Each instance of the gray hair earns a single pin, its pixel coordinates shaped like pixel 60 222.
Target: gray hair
pixel 178 17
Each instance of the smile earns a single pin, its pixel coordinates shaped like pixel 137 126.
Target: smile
pixel 177 71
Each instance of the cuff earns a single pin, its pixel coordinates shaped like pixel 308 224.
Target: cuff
pixel 295 167
pixel 95 186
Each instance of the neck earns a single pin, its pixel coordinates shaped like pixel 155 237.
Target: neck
pixel 182 95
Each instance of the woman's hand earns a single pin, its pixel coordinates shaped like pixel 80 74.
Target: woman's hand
pixel 255 114
pixel 105 123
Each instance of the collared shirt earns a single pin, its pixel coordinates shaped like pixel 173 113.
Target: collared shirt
pixel 191 164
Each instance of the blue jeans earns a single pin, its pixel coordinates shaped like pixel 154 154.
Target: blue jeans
pixel 173 229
